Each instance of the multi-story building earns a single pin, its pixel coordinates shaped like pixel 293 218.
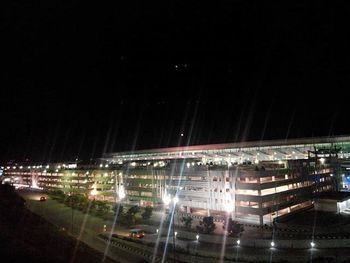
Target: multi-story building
pixel 254 181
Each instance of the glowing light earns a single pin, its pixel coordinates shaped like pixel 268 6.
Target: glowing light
pixel 106 165
pixel 101 165
pixel 121 192
pixel 312 244
pixel 273 244
pixel 279 162
pixel 256 161
pixel 182 134
pixel 228 207
pixel 188 165
pixel 133 164
pixel 175 234
pixel 93 191
pixel 21 167
pixel 47 166
pixel 322 160
pixel 166 199
pixel 157 230
pixel 175 200
pixel 197 237
pixel 238 242
pixel 34 183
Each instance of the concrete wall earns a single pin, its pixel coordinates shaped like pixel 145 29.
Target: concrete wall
pixel 326 205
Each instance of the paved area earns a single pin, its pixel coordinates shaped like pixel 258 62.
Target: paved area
pixel 87 227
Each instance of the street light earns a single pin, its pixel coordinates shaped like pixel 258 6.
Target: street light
pixel 272 244
pixel 312 244
pixel 238 242
pixel 121 192
pixel 197 237
pixel 167 200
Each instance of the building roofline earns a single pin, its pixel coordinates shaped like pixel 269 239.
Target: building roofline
pixel 248 144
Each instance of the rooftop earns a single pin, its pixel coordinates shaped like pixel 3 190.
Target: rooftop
pixel 278 149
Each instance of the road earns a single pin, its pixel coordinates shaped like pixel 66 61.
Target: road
pixel 85 228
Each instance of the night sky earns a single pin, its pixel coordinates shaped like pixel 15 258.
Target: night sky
pixel 81 78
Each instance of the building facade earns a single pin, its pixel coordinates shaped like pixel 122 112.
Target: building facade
pixel 252 181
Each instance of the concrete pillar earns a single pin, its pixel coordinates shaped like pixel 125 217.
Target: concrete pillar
pixel 261 220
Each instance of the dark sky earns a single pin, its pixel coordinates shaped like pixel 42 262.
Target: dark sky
pixel 82 78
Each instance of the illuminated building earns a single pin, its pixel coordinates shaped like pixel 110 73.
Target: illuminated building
pixel 253 181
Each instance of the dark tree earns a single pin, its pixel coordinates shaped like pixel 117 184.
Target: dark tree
pixel 232 227
pixel 207 226
pixel 187 221
pixel 147 213
pixel 118 210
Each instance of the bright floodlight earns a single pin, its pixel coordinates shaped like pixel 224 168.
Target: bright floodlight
pixel 122 195
pixel 312 244
pixel 121 192
pixel 229 208
pixel 157 230
pixel 238 242
pixel 175 200
pixel 272 244
pixel 197 237
pixel 166 199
